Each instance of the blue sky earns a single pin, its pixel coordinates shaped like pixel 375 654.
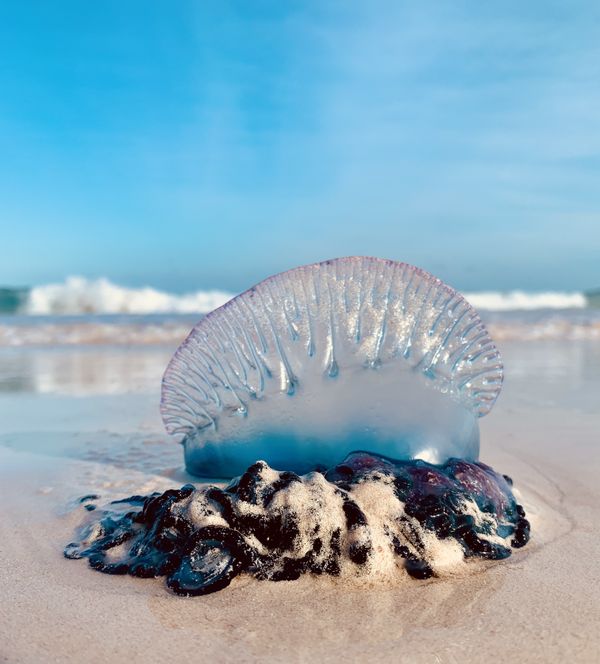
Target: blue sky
pixel 191 145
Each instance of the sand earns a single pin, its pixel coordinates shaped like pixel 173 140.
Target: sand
pixel 95 428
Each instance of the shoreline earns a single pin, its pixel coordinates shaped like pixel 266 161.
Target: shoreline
pixel 539 605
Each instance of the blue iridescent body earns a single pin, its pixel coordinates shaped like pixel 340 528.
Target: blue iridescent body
pixel 313 363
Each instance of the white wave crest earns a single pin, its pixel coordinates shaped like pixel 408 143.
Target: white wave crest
pixel 78 295
pixel 522 301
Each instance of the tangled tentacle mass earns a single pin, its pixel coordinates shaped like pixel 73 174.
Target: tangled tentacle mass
pixel 362 515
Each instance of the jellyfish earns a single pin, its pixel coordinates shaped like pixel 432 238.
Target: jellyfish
pixel 341 400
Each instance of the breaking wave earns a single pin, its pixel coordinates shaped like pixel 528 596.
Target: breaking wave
pixel 100 296
pixel 523 301
pixel 81 296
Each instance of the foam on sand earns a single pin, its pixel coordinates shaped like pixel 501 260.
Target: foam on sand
pixel 368 517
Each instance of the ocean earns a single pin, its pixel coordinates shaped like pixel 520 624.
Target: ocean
pixel 99 312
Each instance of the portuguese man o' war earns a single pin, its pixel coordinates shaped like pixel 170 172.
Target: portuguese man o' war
pixel 358 383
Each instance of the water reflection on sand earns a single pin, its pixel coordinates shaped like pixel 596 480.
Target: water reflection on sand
pixel 82 370
pixel 541 372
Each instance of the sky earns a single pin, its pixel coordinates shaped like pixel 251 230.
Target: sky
pixel 190 145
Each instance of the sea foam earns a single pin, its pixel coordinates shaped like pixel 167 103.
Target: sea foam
pixel 367 519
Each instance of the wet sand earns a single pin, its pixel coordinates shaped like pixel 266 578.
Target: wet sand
pixel 85 420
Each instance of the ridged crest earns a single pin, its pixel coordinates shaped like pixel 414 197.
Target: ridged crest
pixel 344 315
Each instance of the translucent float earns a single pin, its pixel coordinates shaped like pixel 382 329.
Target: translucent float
pixel 311 364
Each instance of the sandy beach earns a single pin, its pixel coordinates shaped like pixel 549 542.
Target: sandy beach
pixel 85 420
